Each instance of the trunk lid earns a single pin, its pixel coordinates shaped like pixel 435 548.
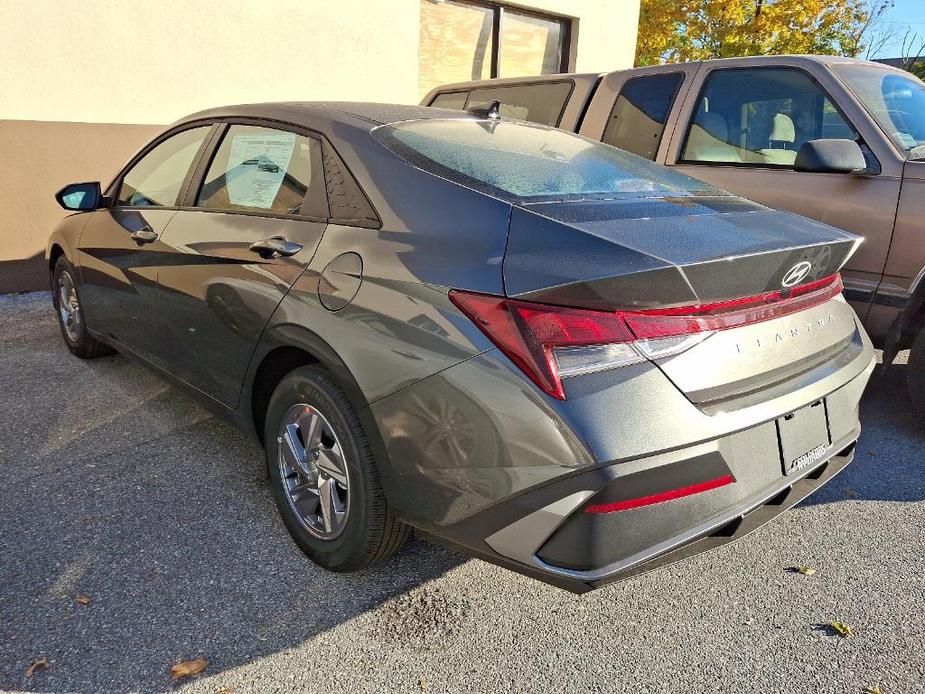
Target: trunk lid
pixel 670 251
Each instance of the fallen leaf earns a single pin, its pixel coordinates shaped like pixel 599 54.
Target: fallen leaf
pixel 423 684
pixel 842 628
pixel 224 690
pixel 873 690
pixel 37 664
pixel 185 668
pixel 806 570
pixel 82 599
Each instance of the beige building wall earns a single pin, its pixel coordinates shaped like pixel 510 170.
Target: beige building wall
pixel 85 83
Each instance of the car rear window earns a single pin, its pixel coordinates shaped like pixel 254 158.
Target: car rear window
pixel 526 161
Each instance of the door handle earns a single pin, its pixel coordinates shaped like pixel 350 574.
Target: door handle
pixel 275 247
pixel 144 235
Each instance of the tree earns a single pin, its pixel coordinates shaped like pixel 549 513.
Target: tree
pixel 911 50
pixel 684 30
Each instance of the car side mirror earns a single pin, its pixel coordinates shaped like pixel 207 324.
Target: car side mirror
pixel 830 156
pixel 80 197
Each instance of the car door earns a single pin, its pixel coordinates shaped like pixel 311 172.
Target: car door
pixel 120 248
pixel 251 223
pixel 742 133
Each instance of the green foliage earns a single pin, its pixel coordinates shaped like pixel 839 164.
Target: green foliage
pixel 685 30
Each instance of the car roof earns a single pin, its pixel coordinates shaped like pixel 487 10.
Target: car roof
pixel 303 112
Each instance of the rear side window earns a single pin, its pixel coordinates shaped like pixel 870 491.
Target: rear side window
pixel 156 179
pixel 516 160
pixel 637 121
pixel 454 100
pixel 258 169
pixel 539 103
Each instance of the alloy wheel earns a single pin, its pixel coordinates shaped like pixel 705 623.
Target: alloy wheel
pixel 69 307
pixel 313 471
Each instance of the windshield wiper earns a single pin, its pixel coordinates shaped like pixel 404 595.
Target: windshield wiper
pixel 917 152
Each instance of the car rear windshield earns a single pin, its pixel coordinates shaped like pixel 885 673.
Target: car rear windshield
pixel 525 161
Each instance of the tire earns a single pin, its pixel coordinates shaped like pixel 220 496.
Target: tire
pixel 366 532
pixel 70 320
pixel 915 375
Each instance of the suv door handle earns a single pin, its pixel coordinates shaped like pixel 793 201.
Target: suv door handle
pixel 275 247
pixel 144 235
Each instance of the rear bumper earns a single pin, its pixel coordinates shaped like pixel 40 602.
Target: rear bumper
pixel 509 474
pixel 530 546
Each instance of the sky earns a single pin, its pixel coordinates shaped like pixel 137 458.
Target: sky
pixel 905 13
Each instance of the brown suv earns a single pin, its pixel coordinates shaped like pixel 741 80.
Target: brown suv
pixel 835 139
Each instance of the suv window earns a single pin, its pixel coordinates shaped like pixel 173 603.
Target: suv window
pixel 761 117
pixel 637 121
pixel 258 169
pixel 456 100
pixel 156 179
pixel 540 103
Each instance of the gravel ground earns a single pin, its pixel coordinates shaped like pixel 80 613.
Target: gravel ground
pixel 117 488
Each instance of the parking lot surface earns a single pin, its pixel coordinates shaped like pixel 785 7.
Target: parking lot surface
pixel 117 488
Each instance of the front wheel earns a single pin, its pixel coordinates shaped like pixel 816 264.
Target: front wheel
pixel 324 477
pixel 70 314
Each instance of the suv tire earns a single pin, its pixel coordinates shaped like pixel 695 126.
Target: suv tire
pixel 915 374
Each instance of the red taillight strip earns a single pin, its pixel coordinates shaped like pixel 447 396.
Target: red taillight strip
pixel 661 496
pixel 723 315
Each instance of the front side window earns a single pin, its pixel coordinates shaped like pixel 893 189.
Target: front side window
pixel 637 121
pixel 895 100
pixel 761 117
pixel 524 161
pixel 156 180
pixel 258 169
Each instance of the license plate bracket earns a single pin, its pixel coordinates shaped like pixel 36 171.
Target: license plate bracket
pixel 804 437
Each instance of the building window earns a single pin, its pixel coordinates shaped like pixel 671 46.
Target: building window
pixel 463 40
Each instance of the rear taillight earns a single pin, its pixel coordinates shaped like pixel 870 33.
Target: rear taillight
pixel 549 343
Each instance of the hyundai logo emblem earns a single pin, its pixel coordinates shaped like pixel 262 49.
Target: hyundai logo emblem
pixel 797 273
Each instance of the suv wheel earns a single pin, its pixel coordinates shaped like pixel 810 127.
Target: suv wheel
pixel 70 315
pixel 324 477
pixel 915 374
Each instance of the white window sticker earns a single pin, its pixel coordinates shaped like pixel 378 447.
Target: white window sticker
pixel 256 167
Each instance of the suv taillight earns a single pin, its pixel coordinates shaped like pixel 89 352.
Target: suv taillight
pixel 549 343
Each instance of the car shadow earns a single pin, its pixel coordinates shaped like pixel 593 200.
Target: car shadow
pixel 120 493
pixel 889 463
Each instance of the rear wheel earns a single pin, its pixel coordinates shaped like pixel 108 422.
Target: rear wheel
pixel 915 374
pixel 324 477
pixel 70 314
